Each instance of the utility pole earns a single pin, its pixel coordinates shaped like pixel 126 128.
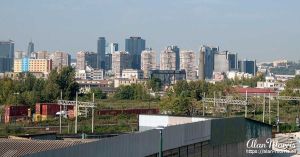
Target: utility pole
pixel 76 107
pixel 277 115
pixel 270 108
pixel 264 107
pixel 93 113
pixel 214 104
pixel 297 117
pixel 203 106
pixel 255 104
pixel 161 142
pixel 246 106
pixel 60 112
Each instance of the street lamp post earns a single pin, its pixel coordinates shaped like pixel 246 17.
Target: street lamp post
pixel 161 144
pixel 161 141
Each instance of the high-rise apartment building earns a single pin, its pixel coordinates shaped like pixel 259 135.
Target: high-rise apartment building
pixel 148 61
pixel 177 51
pixel 30 48
pixel 6 55
pixel 60 59
pixel 86 59
pixel 120 61
pixel 248 66
pixel 42 55
pixel 134 46
pixel 114 47
pixel 101 46
pixel 168 60
pixel 187 63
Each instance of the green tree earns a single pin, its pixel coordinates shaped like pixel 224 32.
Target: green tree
pixel 89 96
pixel 181 86
pixel 125 92
pixel 155 84
pixel 28 90
pixel 182 105
pixel 98 93
pixel 66 82
pixel 132 92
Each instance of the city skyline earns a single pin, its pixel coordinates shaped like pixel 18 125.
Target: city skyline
pixel 263 30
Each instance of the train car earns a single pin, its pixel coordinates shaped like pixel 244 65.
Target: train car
pixel 16 113
pixel 127 111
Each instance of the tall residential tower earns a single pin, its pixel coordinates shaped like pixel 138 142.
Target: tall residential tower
pixel 148 61
pixel 85 59
pixel 60 59
pixel 168 60
pixel 176 49
pixel 120 61
pixel 187 63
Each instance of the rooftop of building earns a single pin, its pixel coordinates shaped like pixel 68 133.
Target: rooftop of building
pixel 21 147
pixel 254 90
pixel 167 71
pixel 132 70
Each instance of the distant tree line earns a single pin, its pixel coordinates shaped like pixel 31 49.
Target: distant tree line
pixel 28 89
pixel 132 92
pixel 184 97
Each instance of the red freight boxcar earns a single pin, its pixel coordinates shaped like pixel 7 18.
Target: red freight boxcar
pixel 128 111
pixel 15 113
pixel 49 109
pixel 46 109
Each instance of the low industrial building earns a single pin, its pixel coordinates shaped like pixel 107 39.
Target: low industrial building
pixel 132 73
pixel 168 77
pixel 86 85
pixel 127 82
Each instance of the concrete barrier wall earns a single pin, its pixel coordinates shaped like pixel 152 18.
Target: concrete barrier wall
pixel 137 144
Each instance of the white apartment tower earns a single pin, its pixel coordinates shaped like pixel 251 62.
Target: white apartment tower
pixel 120 61
pixel 168 60
pixel 187 63
pixel 148 61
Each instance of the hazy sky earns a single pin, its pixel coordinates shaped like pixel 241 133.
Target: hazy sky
pixel 256 29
